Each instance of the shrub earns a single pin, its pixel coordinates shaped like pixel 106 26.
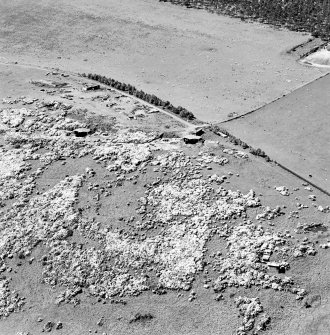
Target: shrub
pixel 257 152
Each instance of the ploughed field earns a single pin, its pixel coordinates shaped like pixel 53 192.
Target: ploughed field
pixel 112 223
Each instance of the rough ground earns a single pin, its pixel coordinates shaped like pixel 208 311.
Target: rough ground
pixel 125 231
pixel 215 66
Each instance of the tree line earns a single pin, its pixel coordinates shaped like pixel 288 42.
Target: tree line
pixel 150 98
pixel 311 16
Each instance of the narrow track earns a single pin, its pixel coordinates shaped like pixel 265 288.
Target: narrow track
pixel 269 103
pixel 190 126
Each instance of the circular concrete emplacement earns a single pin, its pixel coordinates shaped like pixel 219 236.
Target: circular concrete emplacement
pixel 320 58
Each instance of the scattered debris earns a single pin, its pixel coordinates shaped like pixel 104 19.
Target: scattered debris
pixel 208 157
pixel 10 301
pixel 100 322
pixel 91 87
pixel 269 213
pixel 312 197
pixel 250 309
pixel 306 248
pixel 192 296
pixel 248 247
pixel 59 325
pixel 48 327
pixel 282 190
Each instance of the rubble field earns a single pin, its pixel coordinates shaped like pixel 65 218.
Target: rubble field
pixel 114 219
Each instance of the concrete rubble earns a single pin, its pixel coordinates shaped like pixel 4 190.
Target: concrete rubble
pixel 282 190
pixel 269 213
pixel 10 301
pixel 251 309
pixel 162 246
pixel 248 248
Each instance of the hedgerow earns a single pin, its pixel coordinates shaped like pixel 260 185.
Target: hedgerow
pixel 236 141
pixel 150 98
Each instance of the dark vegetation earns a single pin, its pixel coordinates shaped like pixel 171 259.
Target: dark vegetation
pixel 100 122
pixel 138 317
pixel 236 141
pixel 170 134
pixel 94 122
pixel 150 98
pixel 258 152
pixel 16 141
pixel 311 16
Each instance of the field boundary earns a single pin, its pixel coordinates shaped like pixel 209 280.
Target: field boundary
pixel 303 178
pixel 146 97
pixel 190 125
pixel 269 103
pixel 259 152
pixel 304 49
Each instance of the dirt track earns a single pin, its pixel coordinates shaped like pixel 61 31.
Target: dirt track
pixel 210 64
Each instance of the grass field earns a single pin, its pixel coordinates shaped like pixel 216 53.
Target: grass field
pixel 293 131
pixel 212 65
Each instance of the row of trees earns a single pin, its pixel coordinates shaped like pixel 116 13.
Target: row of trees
pixel 150 98
pixel 300 15
pixel 237 141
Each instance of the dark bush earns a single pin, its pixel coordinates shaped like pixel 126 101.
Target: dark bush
pixel 138 317
pixel 244 145
pixel 257 152
pixel 186 114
